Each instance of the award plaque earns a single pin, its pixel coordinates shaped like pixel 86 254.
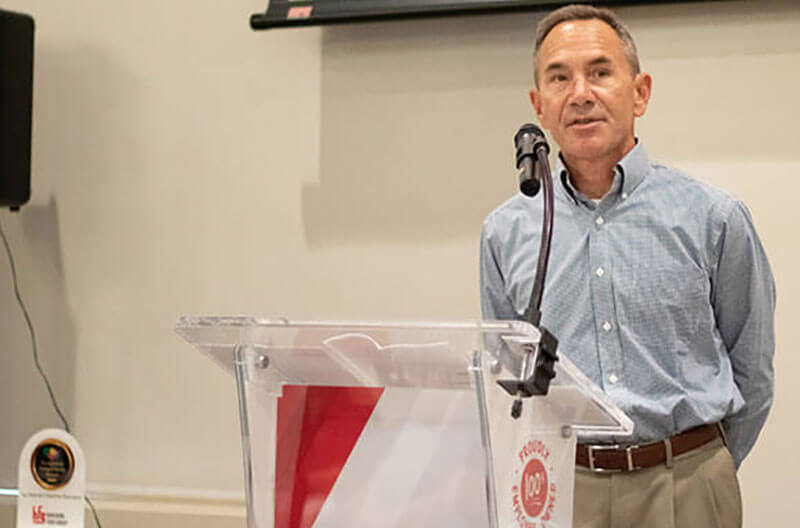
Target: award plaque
pixel 52 464
pixel 52 481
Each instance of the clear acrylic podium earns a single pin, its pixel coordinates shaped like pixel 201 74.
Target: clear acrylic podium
pixel 380 424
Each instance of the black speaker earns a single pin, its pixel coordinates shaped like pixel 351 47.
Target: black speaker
pixel 16 103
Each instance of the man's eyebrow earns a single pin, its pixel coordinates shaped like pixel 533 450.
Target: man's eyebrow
pixel 594 62
pixel 555 66
pixel 600 60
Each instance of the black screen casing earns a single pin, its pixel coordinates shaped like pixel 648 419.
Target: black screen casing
pixel 16 105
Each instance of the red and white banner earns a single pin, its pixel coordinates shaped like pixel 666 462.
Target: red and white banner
pixel 378 458
pixel 373 457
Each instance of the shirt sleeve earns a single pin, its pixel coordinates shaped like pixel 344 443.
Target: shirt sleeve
pixel 744 305
pixel 495 304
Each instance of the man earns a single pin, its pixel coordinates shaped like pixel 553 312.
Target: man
pixel 658 289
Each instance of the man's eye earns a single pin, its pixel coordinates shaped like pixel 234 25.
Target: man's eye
pixel 559 77
pixel 603 72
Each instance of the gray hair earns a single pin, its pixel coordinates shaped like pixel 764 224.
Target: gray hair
pixel 586 12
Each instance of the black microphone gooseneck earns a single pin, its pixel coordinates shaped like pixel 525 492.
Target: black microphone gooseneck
pixel 532 151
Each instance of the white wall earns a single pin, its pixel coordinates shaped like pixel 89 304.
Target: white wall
pixel 183 163
pixel 170 147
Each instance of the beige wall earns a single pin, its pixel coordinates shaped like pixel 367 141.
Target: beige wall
pixel 184 164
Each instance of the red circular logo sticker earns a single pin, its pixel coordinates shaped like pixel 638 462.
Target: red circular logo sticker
pixel 534 487
pixel 533 490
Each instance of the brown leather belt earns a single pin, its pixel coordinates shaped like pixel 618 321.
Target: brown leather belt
pixel 614 458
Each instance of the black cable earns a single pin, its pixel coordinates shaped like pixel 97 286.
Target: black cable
pixel 31 331
pixel 29 323
pixel 94 513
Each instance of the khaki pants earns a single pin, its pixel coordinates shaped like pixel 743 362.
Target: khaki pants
pixel 701 490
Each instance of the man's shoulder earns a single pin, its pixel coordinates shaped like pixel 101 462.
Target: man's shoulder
pixel 513 209
pixel 688 191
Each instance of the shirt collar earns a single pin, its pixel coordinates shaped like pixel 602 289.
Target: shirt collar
pixel 628 173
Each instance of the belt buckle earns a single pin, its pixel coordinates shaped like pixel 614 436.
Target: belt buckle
pixel 614 447
pixel 600 447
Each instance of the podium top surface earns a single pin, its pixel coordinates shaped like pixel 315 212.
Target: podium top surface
pixel 325 344
pixel 422 355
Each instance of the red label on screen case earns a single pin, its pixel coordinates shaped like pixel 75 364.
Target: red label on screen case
pixel 299 12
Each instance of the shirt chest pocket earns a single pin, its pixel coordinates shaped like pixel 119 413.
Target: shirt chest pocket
pixel 662 307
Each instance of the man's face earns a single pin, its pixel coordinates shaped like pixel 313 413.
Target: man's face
pixel 587 95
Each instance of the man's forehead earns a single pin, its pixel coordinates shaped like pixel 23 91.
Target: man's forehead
pixel 586 40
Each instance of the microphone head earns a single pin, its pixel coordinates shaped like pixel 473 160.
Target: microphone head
pixel 528 132
pixel 527 140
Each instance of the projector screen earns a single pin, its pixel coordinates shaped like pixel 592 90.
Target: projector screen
pixel 289 13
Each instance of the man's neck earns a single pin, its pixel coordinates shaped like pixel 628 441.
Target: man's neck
pixel 591 178
pixel 595 177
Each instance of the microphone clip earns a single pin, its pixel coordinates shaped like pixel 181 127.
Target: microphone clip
pixel 544 370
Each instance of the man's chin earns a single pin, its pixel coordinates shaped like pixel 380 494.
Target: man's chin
pixel 585 150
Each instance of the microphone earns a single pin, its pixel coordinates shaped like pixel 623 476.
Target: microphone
pixel 538 362
pixel 527 141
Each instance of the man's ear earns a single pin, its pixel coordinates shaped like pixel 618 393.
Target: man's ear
pixel 536 101
pixel 642 87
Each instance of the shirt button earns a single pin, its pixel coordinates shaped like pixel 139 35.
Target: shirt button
pixel 624 195
pixel 599 272
pixel 613 378
pixel 607 326
pixel 600 220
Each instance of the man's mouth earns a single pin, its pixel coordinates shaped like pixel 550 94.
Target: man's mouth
pixel 584 121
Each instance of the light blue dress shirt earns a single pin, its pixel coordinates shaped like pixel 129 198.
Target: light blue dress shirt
pixel 661 294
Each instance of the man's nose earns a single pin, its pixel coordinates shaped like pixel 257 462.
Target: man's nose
pixel 581 91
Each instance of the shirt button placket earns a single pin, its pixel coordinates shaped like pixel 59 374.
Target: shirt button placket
pixel 603 305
